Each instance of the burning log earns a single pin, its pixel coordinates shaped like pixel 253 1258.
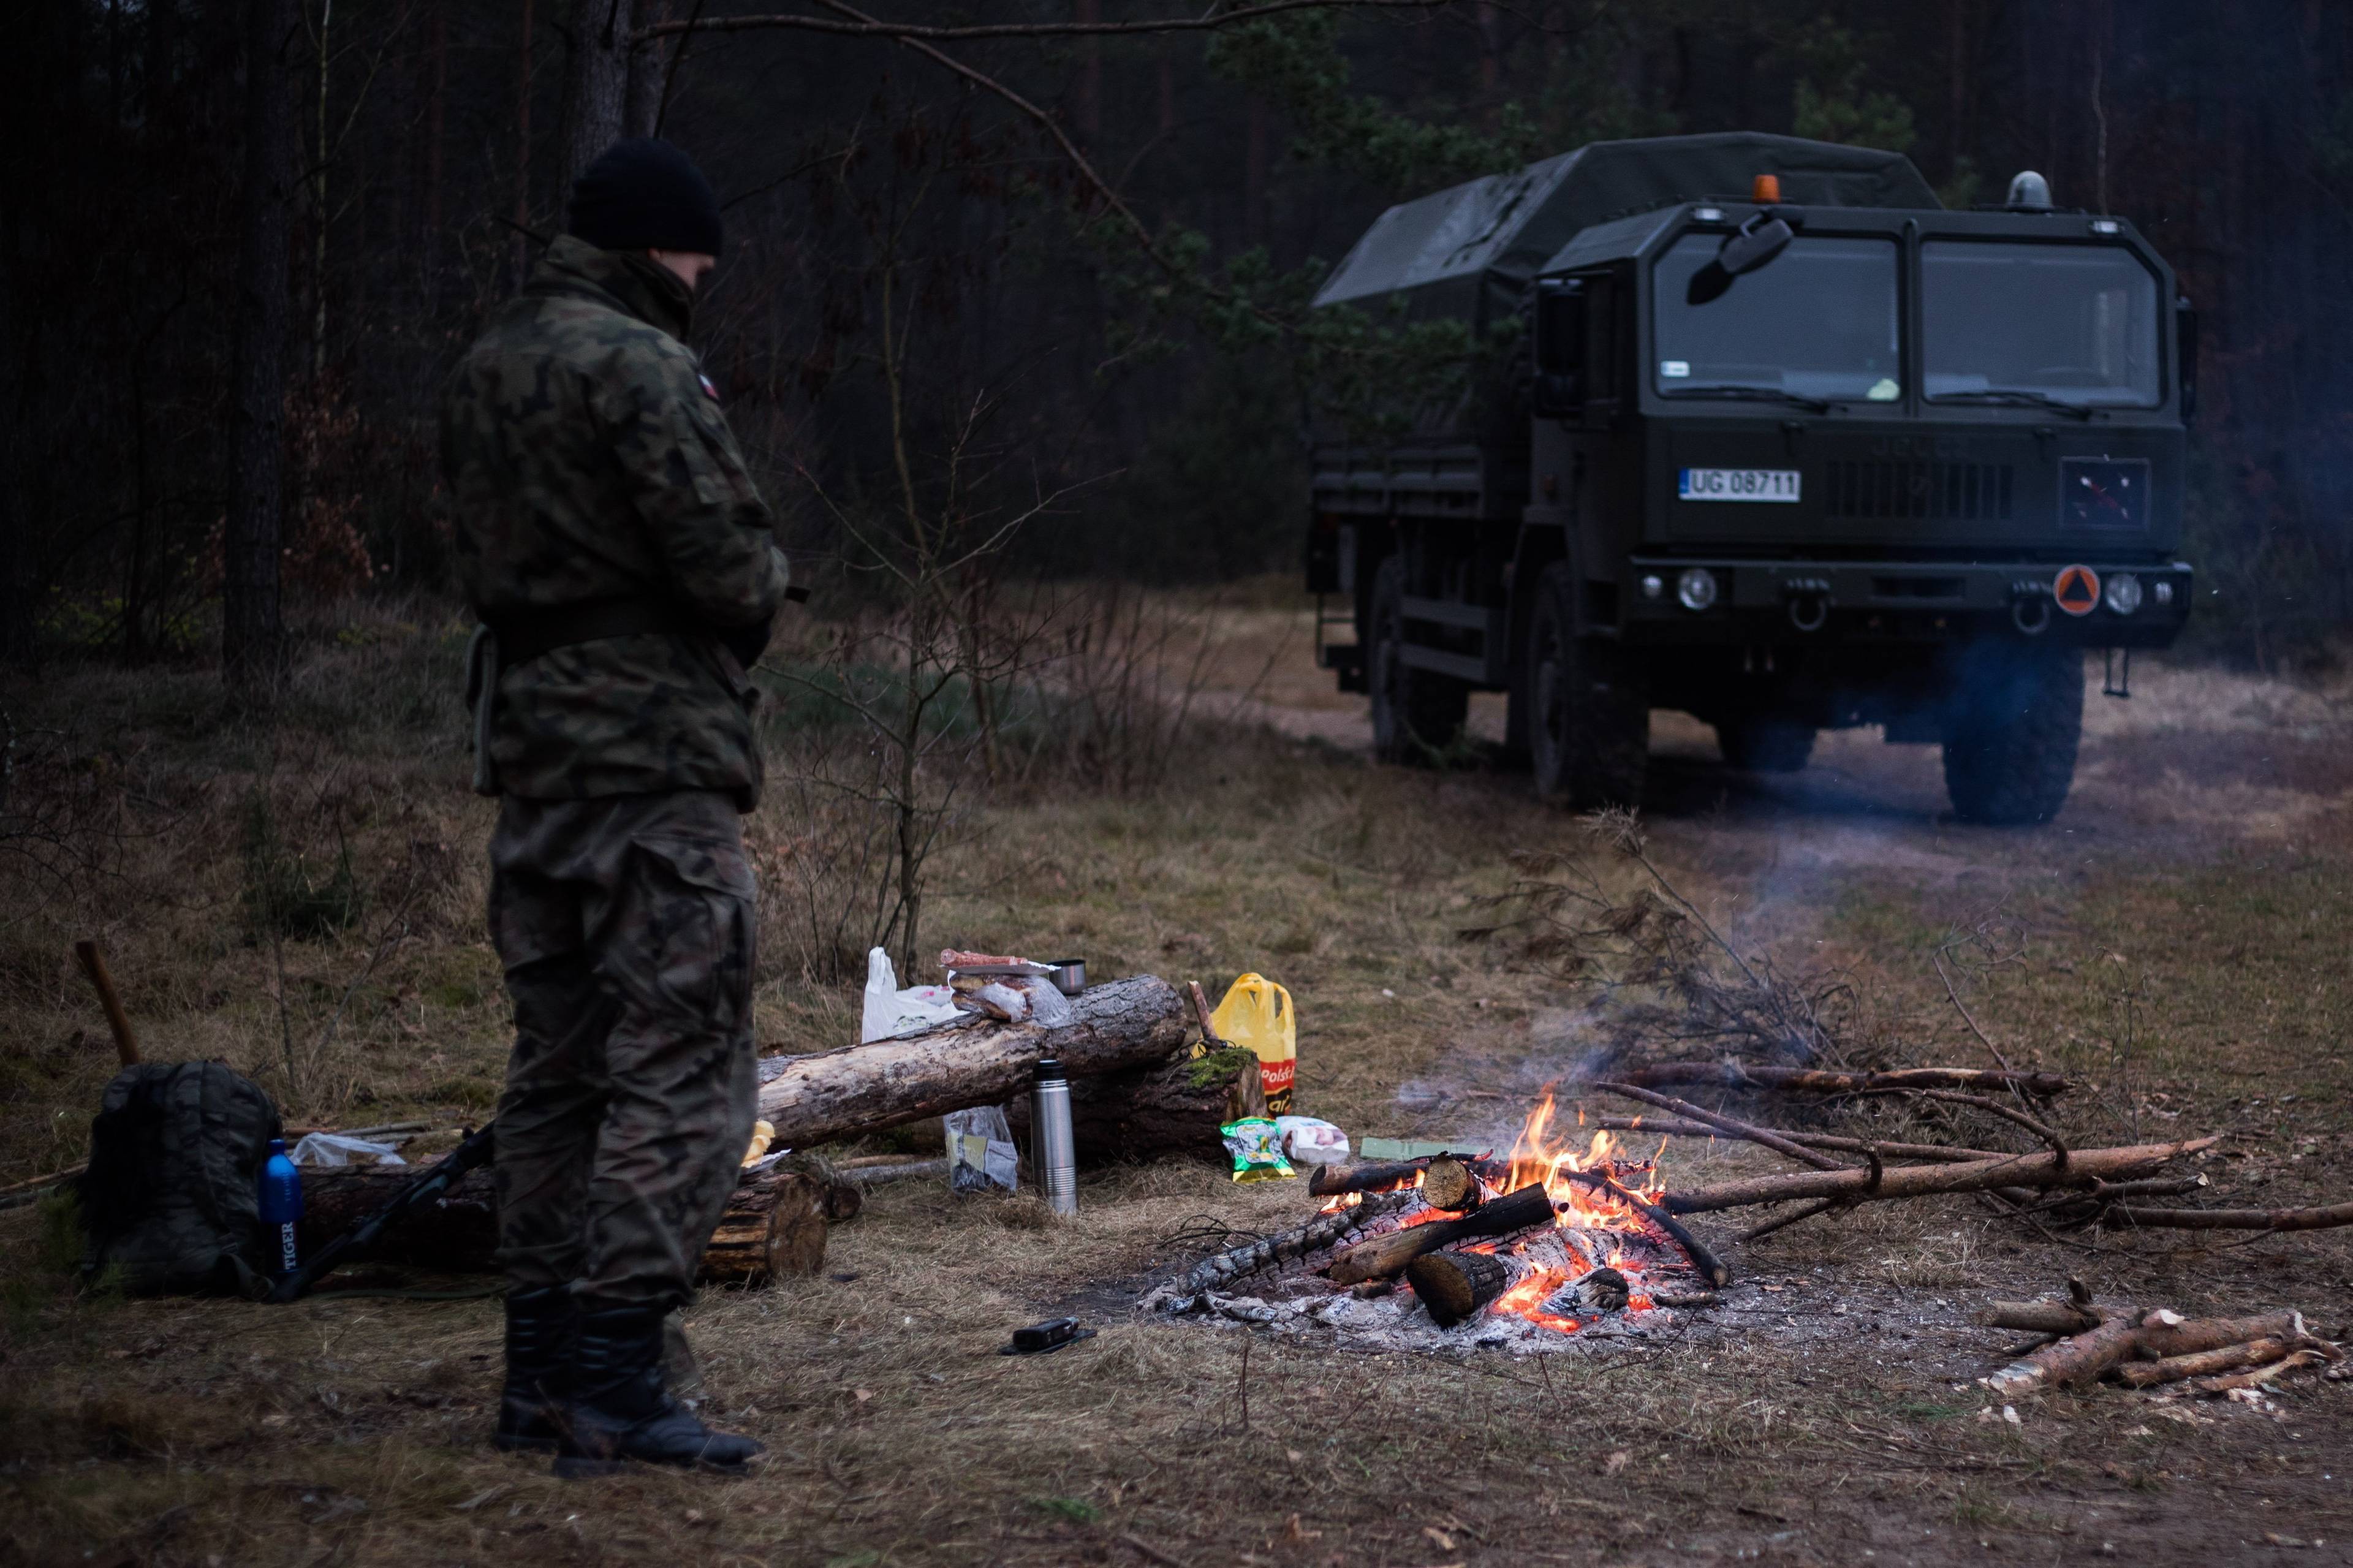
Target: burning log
pixel 1387 1255
pixel 1448 1183
pixel 2082 1167
pixel 1325 1230
pixel 1169 1109
pixel 1455 1285
pixel 1818 1080
pixel 1709 1264
pixel 1366 1176
pixel 864 1088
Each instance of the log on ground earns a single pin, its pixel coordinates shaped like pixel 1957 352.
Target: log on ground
pixel 2074 1360
pixel 2203 1363
pixel 867 1088
pixel 2081 1168
pixel 1818 1080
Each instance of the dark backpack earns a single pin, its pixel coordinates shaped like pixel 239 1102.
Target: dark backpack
pixel 172 1192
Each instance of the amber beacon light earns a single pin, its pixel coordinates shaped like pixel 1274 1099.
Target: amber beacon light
pixel 1765 190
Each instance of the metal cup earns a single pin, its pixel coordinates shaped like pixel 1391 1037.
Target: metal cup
pixel 1069 975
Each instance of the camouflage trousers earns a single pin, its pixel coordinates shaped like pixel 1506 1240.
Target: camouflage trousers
pixel 626 925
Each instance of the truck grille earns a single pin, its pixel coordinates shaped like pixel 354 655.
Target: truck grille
pixel 1961 492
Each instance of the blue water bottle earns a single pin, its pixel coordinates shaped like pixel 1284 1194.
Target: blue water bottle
pixel 281 1203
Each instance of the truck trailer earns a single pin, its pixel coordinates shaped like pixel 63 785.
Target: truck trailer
pixel 1761 431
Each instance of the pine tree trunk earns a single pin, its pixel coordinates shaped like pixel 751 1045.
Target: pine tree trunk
pixel 251 627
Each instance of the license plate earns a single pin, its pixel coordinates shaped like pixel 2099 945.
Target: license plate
pixel 1739 484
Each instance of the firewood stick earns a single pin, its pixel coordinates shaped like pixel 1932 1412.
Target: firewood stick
pixel 2084 1166
pixel 1709 1264
pixel 2129 1216
pixel 1770 1140
pixel 1365 1176
pixel 2165 1333
pixel 1815 1080
pixel 1670 1127
pixel 1216 1272
pixel 1448 1183
pixel 2258 1376
pixel 2061 1318
pixel 1387 1255
pixel 1795 1216
pixel 1455 1285
pixel 1991 1107
pixel 93 965
pixel 2203 1363
pixel 2072 1359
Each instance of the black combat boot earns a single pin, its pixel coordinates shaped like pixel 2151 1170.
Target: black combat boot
pixel 541 1327
pixel 620 1410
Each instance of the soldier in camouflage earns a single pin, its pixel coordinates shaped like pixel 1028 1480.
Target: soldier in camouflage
pixel 624 569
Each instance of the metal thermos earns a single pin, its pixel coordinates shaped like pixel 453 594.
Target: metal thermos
pixel 1052 1154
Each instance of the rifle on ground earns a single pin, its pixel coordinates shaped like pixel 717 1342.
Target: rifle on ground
pixel 475 1149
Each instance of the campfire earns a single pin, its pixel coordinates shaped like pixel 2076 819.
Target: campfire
pixel 1562 1235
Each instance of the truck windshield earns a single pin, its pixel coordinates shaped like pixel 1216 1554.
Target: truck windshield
pixel 1818 321
pixel 2068 323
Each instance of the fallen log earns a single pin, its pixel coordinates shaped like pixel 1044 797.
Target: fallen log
pixel 1455 1285
pixel 764 1231
pixel 1166 1110
pixel 2165 1333
pixel 2082 1167
pixel 2256 1377
pixel 2077 1359
pixel 866 1088
pixel 1819 1080
pixel 1386 1255
pixel 1447 1183
pixel 2202 1363
pixel 2057 1318
pixel 2129 1216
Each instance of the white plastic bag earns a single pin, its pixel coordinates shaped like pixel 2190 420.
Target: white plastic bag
pixel 1309 1141
pixel 891 1010
pixel 337 1149
pixel 981 1151
pixel 1047 1005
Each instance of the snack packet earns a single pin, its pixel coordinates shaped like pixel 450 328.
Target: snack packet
pixel 1258 1155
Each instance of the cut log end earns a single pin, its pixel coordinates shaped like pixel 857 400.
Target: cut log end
pixel 1453 1286
pixel 1447 1183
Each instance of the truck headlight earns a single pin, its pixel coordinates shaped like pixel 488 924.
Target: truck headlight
pixel 1653 586
pixel 1696 589
pixel 2123 593
pixel 2163 592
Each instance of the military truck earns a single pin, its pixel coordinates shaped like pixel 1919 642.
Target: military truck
pixel 1772 437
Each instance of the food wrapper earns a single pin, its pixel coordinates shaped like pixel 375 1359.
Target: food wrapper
pixel 1258 1152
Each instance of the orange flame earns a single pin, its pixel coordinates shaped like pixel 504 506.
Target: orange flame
pixel 1538 1156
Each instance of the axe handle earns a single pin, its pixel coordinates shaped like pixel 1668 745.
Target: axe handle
pixel 93 963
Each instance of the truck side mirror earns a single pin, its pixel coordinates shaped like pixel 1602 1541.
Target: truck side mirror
pixel 1559 331
pixel 2185 356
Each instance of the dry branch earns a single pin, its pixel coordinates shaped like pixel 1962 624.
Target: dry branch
pixel 2202 1364
pixel 1724 1124
pixel 1672 1128
pixel 2167 1333
pixel 2041 1170
pixel 867 1088
pixel 1817 1080
pixel 2257 1377
pixel 2073 1360
pixel 2125 1217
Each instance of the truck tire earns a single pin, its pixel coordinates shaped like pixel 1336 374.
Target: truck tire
pixel 2011 733
pixel 1764 745
pixel 1416 713
pixel 1589 719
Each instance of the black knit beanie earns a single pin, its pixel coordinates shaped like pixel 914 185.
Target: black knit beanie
pixel 645 195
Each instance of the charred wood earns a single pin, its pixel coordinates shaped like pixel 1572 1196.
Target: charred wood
pixel 1366 1176
pixel 1386 1255
pixel 1455 1285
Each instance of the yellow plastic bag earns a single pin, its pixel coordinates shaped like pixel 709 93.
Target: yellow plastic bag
pixel 1256 1013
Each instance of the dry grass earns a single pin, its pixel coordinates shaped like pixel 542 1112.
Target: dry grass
pixel 351 1430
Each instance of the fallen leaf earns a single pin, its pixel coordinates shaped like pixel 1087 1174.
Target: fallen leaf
pixel 1294 1456
pixel 863 1394
pixel 1439 1538
pixel 1294 1534
pixel 1618 1460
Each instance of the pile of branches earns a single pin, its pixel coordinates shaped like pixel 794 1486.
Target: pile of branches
pixel 2081 1341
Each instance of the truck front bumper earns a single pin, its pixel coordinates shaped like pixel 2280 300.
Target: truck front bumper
pixel 2092 604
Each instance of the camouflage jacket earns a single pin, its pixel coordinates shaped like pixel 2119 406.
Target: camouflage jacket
pixel 588 460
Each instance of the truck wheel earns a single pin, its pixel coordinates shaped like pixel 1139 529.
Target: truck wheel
pixel 1764 745
pixel 1590 720
pixel 2011 732
pixel 1416 713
